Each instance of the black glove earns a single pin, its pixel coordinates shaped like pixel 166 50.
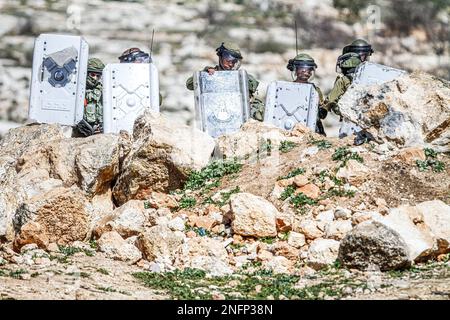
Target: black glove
pixel 362 137
pixel 85 128
pixel 322 113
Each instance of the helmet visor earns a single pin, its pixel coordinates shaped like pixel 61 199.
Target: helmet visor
pixel 303 73
pixel 229 62
pixel 136 57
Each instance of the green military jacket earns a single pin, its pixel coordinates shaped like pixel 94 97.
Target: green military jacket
pixel 93 107
pixel 257 107
pixel 340 86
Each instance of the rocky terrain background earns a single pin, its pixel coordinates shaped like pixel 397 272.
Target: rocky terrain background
pixel 187 32
pixel 282 215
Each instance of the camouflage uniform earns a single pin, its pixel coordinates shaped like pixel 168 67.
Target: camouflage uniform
pixel 93 107
pixel 257 107
pixel 306 61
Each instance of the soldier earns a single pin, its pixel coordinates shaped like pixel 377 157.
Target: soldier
pixel 360 47
pixel 136 55
pixel 92 122
pixel 302 68
pixel 230 58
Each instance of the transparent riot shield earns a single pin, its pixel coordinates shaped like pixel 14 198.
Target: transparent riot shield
pixel 128 90
pixel 221 101
pixel 369 73
pixel 58 79
pixel 288 103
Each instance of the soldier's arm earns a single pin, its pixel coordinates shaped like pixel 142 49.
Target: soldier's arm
pixel 252 84
pixel 322 112
pixel 334 95
pixel 190 80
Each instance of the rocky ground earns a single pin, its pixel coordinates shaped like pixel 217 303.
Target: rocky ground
pixel 186 34
pixel 282 215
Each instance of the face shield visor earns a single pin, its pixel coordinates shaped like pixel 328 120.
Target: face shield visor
pixel 228 61
pixel 136 57
pixel 303 72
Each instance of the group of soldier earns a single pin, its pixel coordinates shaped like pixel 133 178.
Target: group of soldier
pixel 302 68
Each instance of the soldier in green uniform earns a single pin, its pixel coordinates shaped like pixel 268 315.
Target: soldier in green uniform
pixel 92 122
pixel 136 55
pixel 352 55
pixel 302 68
pixel 230 58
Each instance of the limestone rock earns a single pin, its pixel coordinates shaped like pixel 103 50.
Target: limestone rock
pixel 297 240
pixel 159 241
pixel 354 172
pixel 412 110
pixel 60 215
pixel 309 228
pixel 337 229
pixel 410 155
pixel 115 247
pixel 322 252
pixel 372 243
pixel 161 158
pixel 253 215
pixel 310 190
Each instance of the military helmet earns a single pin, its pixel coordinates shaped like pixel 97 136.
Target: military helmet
pixel 301 60
pixel 347 62
pixel 134 55
pixel 95 65
pixel 229 48
pixel 359 46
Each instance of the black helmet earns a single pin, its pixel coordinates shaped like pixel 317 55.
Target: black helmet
pixel 358 46
pixel 301 60
pixel 231 52
pixel 135 55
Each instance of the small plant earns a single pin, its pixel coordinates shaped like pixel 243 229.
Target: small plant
pixel 288 192
pixel 69 251
pixel 292 174
pixel 225 196
pixel 286 146
pixel 268 240
pixel 430 162
pixel 147 205
pixel 343 154
pixel 301 200
pixel 210 176
pixel 16 274
pixel 321 144
pixel 93 244
pixel 202 232
pixel 187 202
pixel 103 271
pixel 284 236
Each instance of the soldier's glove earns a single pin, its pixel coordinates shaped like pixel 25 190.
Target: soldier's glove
pixel 322 113
pixel 362 137
pixel 85 128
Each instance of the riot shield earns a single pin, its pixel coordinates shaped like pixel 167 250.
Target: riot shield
pixel 221 101
pixel 369 73
pixel 128 90
pixel 288 103
pixel 58 79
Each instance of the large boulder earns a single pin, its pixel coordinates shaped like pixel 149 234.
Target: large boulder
pixel 253 138
pixel 321 253
pixel 161 158
pixel 253 216
pixel 115 247
pixel 373 244
pixel 60 215
pixel 160 242
pixel 410 110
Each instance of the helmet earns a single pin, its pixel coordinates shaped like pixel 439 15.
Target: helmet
pixel 361 47
pixel 302 61
pixel 95 68
pixel 95 65
pixel 229 55
pixel 135 55
pixel 347 62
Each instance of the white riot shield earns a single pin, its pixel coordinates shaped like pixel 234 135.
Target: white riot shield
pixel 288 103
pixel 58 79
pixel 369 73
pixel 366 74
pixel 221 101
pixel 128 90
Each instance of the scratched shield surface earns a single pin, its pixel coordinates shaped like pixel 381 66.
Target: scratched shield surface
pixel 128 90
pixel 221 101
pixel 369 73
pixel 58 79
pixel 289 103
